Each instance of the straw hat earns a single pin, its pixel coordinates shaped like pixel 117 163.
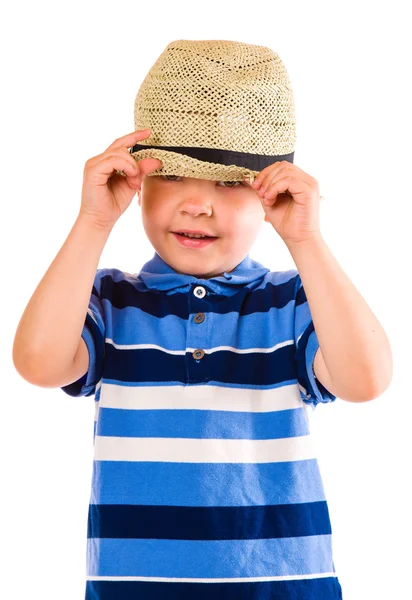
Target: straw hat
pixel 217 109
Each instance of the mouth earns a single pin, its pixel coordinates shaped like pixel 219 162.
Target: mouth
pixel 194 242
pixel 194 233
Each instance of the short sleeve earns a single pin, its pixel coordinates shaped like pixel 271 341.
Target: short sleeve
pixel 93 334
pixel 307 344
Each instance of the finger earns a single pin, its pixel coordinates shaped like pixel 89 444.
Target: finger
pixel 266 175
pixel 277 186
pixel 121 145
pixel 110 165
pixel 121 152
pixel 269 179
pixel 295 172
pixel 289 185
pixel 263 174
pixel 144 166
pixel 129 140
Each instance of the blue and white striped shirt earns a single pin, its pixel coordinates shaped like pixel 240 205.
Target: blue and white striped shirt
pixel 205 480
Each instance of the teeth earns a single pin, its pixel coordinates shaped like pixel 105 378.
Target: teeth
pixel 194 235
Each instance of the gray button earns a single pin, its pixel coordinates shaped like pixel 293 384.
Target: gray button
pixel 199 291
pixel 198 354
pixel 199 318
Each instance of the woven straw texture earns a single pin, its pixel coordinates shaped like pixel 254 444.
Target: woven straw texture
pixel 215 94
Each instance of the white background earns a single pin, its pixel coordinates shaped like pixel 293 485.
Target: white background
pixel 70 74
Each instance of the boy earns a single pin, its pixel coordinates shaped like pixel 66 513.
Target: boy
pixel 205 365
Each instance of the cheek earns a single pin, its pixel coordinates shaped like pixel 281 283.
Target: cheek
pixel 248 213
pixel 241 222
pixel 150 218
pixel 154 210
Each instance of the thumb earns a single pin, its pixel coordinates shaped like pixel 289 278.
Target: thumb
pixel 146 165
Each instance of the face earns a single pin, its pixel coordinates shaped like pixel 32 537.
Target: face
pixel 230 211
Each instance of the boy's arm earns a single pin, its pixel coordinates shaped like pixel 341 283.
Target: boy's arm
pixel 48 337
pixel 355 356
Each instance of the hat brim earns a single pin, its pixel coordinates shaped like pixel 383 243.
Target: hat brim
pixel 182 165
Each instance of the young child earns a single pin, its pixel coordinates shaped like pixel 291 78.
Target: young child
pixel 205 366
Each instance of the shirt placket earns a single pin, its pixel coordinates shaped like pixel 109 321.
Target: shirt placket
pixel 197 341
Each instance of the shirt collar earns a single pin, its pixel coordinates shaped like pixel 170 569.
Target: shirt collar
pixel 159 275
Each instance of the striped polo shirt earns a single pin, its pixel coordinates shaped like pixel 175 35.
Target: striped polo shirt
pixel 205 480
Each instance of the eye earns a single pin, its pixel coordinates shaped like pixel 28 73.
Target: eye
pixel 166 177
pixel 229 182
pixel 226 183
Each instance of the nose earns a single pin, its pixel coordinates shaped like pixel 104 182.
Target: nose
pixel 196 202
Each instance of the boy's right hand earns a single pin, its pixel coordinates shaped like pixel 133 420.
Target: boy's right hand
pixel 105 194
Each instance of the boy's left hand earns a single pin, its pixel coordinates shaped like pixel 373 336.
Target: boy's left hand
pixel 292 200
